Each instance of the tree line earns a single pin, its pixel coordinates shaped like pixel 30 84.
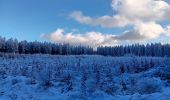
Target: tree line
pixel 153 49
pixel 24 47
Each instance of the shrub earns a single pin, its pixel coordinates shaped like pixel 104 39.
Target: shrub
pixel 14 81
pixel 44 77
pixel 149 85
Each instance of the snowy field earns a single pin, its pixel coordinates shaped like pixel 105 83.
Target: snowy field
pixel 46 77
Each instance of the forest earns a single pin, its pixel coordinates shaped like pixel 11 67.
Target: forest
pixel 23 47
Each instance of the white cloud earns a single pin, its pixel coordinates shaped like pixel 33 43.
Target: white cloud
pixel 142 31
pixel 128 12
pixel 143 15
pixel 92 39
pixel 144 10
pixel 104 21
pixel 167 31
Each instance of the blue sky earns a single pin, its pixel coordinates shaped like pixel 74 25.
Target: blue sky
pixel 29 19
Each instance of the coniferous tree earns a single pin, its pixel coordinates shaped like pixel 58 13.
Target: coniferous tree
pixel 24 47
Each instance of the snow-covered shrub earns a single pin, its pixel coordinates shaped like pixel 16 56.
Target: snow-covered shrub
pixel 107 83
pixel 163 72
pixel 44 77
pixel 97 79
pixel 58 72
pixel 91 88
pixel 24 71
pixel 13 96
pixel 149 85
pixel 66 83
pixel 110 88
pixel 69 82
pixel 14 81
pixel 31 81
pixel 2 73
pixel 83 87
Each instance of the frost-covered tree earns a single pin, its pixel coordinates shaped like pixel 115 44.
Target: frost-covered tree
pixel 97 74
pixel 22 47
pixel 2 44
pixel 12 46
pixel 68 82
pixel 35 47
pixel 83 86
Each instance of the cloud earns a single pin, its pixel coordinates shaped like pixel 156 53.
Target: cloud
pixel 167 31
pixel 142 31
pixel 128 12
pixel 92 39
pixel 144 10
pixel 143 15
pixel 104 21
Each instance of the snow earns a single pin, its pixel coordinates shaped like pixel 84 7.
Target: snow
pixel 47 77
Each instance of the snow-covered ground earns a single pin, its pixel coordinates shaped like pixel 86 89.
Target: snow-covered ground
pixel 47 77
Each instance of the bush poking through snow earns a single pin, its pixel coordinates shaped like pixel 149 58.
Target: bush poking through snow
pixel 14 81
pixel 149 85
pixel 2 73
pixel 83 93
pixel 66 83
pixel 13 97
pixel 45 77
